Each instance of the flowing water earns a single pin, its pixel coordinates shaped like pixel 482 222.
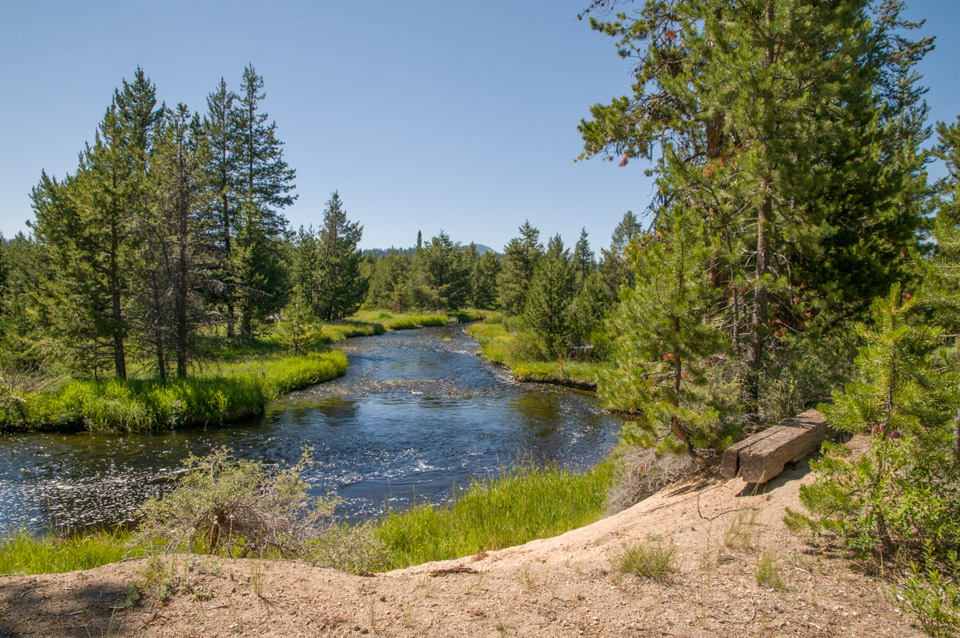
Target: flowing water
pixel 416 414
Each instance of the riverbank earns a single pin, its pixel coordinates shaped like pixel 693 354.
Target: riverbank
pixel 730 567
pixel 515 507
pixel 499 345
pixel 230 381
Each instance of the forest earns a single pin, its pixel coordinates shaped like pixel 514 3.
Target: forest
pixel 797 253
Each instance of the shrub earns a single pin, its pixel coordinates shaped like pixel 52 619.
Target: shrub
pixel 932 594
pixel 237 506
pixel 900 497
pixel 642 472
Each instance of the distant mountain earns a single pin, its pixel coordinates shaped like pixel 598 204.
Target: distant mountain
pixel 381 252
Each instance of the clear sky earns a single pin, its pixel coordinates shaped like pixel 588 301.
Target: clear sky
pixel 424 115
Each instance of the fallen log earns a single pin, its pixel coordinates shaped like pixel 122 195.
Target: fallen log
pixel 760 457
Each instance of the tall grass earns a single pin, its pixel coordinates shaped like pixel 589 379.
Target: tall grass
pixel 519 506
pixel 498 343
pixel 220 394
pixel 21 553
pixel 402 321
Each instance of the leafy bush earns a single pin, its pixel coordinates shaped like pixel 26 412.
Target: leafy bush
pixel 932 594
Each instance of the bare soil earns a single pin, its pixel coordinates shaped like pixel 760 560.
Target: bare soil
pixel 562 586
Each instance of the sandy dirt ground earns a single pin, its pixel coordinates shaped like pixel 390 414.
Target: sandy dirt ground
pixel 562 586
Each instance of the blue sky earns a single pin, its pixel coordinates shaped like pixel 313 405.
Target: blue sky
pixel 424 115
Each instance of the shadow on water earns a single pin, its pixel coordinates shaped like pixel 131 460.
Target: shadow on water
pixel 416 413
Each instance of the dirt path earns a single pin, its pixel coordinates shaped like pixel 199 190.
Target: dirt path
pixel 563 586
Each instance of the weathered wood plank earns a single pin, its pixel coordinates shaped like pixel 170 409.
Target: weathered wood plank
pixel 761 457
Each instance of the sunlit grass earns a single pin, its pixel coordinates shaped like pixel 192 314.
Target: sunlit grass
pixel 517 507
pixel 220 393
pixel 21 553
pixel 497 343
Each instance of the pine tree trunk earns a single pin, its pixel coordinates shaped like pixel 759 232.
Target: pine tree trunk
pixel 119 357
pixel 182 268
pixel 228 261
pixel 764 221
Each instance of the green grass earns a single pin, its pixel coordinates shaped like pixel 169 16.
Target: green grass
pixel 402 321
pixel 21 553
pixel 497 343
pixel 220 393
pixel 519 506
pixel 653 559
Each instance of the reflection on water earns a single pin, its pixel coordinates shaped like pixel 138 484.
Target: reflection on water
pixel 413 416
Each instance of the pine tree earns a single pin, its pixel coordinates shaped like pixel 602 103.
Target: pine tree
pixel 520 258
pixel 664 338
pixel 305 259
pixel 583 259
pixel 613 265
pixel 800 186
pixel 390 281
pixel 93 222
pixel 445 272
pixel 900 495
pixel 546 312
pixel 220 130
pixel 25 344
pixel 943 279
pixel 588 312
pixel 342 288
pixel 263 177
pixel 485 275
pixel 179 265
pixel 263 183
pixel 260 269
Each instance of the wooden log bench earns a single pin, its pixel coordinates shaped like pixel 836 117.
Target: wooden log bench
pixel 760 457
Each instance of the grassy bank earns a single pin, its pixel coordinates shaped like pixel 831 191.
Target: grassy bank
pixel 519 506
pixel 220 393
pixel 21 553
pixel 229 380
pixel 500 344
pixel 408 321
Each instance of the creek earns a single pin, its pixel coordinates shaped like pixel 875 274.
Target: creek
pixel 417 414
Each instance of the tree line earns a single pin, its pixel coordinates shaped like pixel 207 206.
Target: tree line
pixel 172 225
pixel 172 222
